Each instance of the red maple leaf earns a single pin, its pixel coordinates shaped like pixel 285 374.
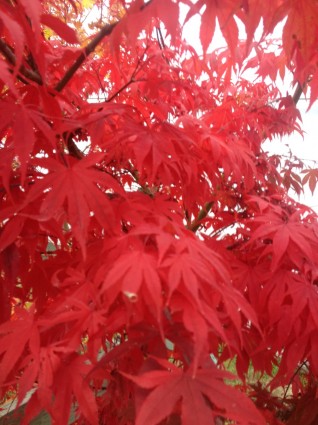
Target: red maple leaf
pixel 82 187
pixel 203 397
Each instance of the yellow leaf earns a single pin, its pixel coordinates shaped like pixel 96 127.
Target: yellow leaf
pixel 47 33
pixel 87 3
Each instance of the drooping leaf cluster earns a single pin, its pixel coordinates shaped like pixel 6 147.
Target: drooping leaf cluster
pixel 147 238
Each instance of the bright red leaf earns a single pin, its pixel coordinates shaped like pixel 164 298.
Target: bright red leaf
pixel 203 397
pixel 64 31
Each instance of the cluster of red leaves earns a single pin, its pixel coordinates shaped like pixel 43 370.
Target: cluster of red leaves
pixel 132 268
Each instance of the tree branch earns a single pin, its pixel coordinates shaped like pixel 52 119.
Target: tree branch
pixel 300 89
pixel 196 223
pixel 298 92
pixel 106 30
pixel 7 52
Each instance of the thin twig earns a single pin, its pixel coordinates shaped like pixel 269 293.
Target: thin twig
pixel 222 229
pixel 131 79
pixel 120 90
pixel 304 363
pixel 161 44
pixel 160 38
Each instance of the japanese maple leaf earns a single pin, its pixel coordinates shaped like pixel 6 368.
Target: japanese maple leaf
pixel 134 274
pixel 16 33
pixel 311 176
pixel 224 12
pixel 166 10
pixel 77 184
pixel 18 117
pixel 14 336
pixel 288 235
pixel 304 296
pixel 71 378
pixel 203 397
pixel 198 272
pixel 57 25
pixel 313 98
pixel 300 26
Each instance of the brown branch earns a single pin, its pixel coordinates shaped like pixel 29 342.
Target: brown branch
pixel 298 92
pixel 7 52
pixel 196 223
pixel 161 44
pixel 72 148
pixel 106 30
pixel 160 38
pixel 300 89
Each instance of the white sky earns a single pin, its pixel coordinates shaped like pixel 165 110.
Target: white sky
pixel 306 148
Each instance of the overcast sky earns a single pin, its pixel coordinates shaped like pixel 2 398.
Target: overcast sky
pixel 307 148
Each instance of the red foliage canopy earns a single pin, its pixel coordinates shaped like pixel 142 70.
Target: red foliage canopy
pixel 146 236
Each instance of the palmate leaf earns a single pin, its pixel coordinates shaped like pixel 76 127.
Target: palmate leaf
pixel 77 185
pixel 33 11
pixel 203 278
pixel 300 26
pixel 203 397
pixel 64 31
pixel 65 381
pixel 311 175
pixel 14 336
pixel 139 17
pixel 288 235
pixel 22 124
pixel 16 33
pixel 18 118
pixel 223 11
pixel 6 77
pixel 135 274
